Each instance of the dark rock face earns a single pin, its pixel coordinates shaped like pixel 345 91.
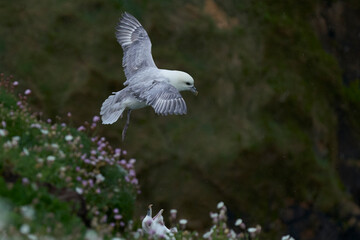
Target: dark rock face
pixel 337 24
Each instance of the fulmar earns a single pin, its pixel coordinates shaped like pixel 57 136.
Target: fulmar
pixel 145 85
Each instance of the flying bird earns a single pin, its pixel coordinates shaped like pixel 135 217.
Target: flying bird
pixel 145 85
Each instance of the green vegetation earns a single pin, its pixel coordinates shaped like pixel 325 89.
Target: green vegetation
pixel 54 179
pixel 261 136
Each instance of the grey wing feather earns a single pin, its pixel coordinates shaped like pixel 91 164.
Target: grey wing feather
pixel 112 108
pixel 136 45
pixel 163 97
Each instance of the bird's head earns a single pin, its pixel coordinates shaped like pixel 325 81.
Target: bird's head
pixel 181 80
pixel 147 221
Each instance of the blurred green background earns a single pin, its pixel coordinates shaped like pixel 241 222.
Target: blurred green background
pixel 274 131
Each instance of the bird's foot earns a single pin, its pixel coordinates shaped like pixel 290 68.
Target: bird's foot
pixel 126 125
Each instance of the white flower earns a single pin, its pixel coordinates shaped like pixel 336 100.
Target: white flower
pixel 173 211
pixel 7 144
pixel 287 237
pixel 214 215
pixel 183 221
pixel 99 178
pixel 137 234
pixel 251 230
pixel 32 237
pixel 15 139
pixel 25 229
pixel 238 222
pixel 220 205
pixel 44 131
pixel 91 235
pixel 50 158
pixel 232 234
pixel 26 152
pixel 3 132
pixel 208 234
pixel 27 212
pixel 68 137
pixel 35 125
pixel 55 145
pixel 79 190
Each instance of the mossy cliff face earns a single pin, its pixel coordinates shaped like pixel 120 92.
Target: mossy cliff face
pixel 261 135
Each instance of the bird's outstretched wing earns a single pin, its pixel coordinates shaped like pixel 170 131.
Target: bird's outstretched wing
pixel 163 97
pixel 136 45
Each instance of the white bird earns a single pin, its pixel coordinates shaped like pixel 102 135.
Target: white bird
pixel 146 85
pixel 155 225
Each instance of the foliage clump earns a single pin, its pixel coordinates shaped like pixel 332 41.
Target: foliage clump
pixel 56 180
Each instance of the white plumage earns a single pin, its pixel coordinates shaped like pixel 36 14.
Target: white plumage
pixel 146 85
pixel 156 226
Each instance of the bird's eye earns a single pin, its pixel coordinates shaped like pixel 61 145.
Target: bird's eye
pixel 187 83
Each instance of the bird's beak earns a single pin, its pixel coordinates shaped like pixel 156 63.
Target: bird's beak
pixel 149 212
pixel 194 91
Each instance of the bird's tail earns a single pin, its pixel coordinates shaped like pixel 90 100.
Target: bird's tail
pixel 112 108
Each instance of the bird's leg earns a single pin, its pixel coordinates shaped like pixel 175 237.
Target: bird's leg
pixel 126 124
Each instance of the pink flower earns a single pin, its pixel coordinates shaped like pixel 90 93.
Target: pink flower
pixel 27 91
pixel 81 128
pixel 25 181
pixel 96 118
pixel 132 173
pixel 15 83
pixel 117 151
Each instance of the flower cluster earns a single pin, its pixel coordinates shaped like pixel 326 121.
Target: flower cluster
pixel 221 230
pixel 97 185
